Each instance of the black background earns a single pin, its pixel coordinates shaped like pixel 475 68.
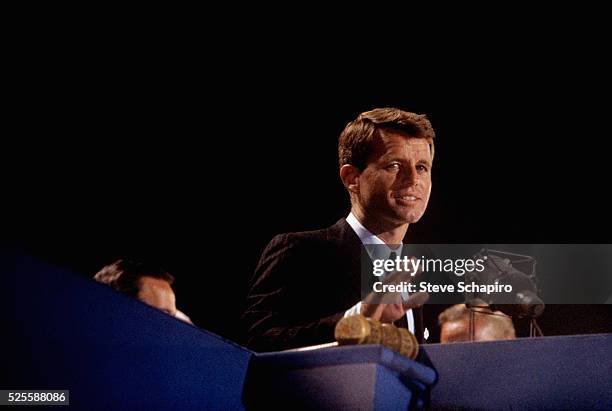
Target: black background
pixel 196 162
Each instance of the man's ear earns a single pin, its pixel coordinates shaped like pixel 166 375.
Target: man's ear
pixel 349 175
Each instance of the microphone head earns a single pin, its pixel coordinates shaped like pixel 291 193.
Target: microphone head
pixel 523 301
pixel 529 304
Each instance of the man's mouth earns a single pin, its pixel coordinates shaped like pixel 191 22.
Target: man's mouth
pixel 408 197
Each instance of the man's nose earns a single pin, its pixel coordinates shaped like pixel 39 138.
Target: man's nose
pixel 409 176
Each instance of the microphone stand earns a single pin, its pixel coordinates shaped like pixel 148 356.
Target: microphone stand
pixel 534 328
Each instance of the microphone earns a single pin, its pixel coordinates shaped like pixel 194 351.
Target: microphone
pixel 528 304
pixel 500 268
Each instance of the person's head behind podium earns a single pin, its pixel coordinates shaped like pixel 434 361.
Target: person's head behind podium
pixel 386 156
pixel 488 325
pixel 148 283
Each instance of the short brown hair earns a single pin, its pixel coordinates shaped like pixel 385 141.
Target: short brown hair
pixel 485 319
pixel 459 312
pixel 355 142
pixel 123 275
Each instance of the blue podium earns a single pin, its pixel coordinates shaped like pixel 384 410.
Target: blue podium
pixel 63 331
pixel 368 377
pixel 555 373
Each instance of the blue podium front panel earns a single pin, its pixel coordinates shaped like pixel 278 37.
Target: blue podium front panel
pixel 568 372
pixel 352 377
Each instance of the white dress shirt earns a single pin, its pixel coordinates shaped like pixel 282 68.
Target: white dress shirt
pixel 367 237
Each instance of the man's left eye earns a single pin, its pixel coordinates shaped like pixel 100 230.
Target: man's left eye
pixel 421 168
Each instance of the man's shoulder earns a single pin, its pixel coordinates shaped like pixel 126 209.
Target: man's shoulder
pixel 337 234
pixel 335 248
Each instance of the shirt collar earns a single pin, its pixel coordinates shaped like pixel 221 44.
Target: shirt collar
pixel 367 238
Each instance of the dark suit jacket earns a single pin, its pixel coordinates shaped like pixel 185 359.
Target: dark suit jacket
pixel 303 285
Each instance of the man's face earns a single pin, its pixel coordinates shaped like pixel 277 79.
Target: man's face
pixel 157 293
pixel 395 186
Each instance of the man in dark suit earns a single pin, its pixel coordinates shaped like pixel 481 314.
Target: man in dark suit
pixel 306 282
